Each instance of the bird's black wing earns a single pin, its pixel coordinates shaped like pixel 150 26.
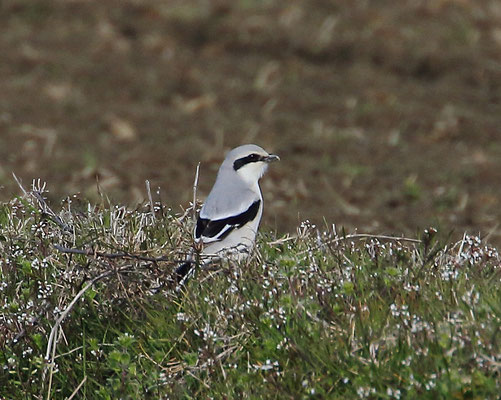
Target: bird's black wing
pixel 214 230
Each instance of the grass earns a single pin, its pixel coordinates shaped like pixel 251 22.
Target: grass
pixel 315 315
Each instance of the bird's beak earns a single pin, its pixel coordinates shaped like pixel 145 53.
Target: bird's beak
pixel 271 158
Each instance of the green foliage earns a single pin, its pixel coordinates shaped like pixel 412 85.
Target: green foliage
pixel 313 316
pixel 411 188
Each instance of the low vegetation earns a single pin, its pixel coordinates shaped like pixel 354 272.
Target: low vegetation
pixel 89 308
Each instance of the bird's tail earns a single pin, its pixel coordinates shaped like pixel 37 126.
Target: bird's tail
pixel 183 271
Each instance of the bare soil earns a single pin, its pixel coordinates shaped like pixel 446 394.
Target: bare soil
pixel 386 114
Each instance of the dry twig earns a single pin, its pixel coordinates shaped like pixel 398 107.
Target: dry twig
pixel 195 187
pixel 150 199
pixel 122 254
pixel 42 204
pixel 78 388
pixel 52 342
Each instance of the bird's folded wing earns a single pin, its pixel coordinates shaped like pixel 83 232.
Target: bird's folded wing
pixel 213 230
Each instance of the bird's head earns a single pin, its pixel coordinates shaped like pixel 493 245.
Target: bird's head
pixel 249 162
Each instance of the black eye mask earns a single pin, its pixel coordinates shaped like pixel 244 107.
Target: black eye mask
pixel 237 164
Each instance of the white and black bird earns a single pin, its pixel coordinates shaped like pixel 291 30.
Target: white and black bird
pixel 229 218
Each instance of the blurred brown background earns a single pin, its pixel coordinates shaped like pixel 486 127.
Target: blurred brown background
pixel 387 114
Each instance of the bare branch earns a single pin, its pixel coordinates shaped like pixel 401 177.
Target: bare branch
pixel 78 388
pixel 94 253
pixel 150 199
pixel 382 237
pixel 43 206
pixel 357 236
pixel 52 342
pixel 195 187
pixel 19 184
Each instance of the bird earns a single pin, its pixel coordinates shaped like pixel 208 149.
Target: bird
pixel 229 218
